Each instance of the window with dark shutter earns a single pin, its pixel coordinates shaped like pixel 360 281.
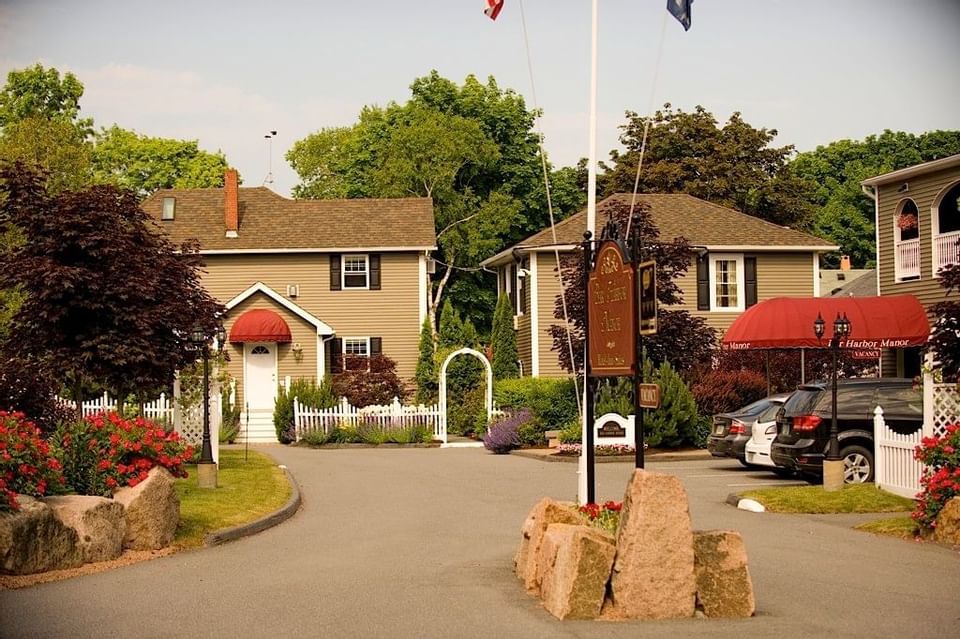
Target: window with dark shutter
pixel 374 271
pixel 750 279
pixel 376 346
pixel 334 272
pixel 336 355
pixel 703 282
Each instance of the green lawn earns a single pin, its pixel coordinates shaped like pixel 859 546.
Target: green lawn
pixel 859 498
pixel 246 491
pixel 903 527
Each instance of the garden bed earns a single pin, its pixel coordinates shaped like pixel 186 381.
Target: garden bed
pixel 303 444
pixel 857 498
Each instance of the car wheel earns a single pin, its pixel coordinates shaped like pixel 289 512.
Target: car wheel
pixel 745 463
pixel 786 473
pixel 857 465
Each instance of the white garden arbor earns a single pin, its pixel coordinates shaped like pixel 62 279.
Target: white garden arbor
pixel 488 396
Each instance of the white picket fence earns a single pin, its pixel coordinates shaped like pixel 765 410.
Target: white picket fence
pixel 896 469
pixel 159 410
pixel 391 416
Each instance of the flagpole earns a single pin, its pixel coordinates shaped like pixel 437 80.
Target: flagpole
pixel 583 490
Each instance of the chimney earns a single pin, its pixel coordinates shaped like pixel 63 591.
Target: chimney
pixel 844 262
pixel 231 210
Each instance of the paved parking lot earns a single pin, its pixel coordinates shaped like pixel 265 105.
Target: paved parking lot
pixel 419 543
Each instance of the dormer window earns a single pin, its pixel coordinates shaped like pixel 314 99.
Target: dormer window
pixel 169 204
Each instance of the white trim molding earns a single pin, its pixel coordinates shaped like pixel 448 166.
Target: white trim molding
pixel 422 289
pixel 816 274
pixel 740 283
pixel 260 287
pixel 357 249
pixel 532 291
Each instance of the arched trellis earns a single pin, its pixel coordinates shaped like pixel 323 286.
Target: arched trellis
pixel 488 399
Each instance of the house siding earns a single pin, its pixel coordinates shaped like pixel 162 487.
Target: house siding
pixel 923 191
pixel 778 275
pixel 548 291
pixel 391 313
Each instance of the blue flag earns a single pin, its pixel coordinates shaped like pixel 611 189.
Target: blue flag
pixel 681 11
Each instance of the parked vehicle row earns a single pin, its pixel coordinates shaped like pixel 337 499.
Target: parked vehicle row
pixel 796 438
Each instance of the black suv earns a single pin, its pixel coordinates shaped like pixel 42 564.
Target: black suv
pixel 803 424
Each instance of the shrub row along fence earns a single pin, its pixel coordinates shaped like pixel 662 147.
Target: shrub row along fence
pixel 391 416
pixel 897 471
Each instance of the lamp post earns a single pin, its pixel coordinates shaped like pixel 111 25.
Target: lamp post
pixel 833 466
pixel 206 467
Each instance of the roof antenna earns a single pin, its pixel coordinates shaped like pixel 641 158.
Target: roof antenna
pixel 269 178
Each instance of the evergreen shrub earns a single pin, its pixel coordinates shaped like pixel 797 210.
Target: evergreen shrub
pixel 309 394
pixel 552 402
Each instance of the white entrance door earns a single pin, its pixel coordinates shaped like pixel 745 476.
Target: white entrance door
pixel 260 374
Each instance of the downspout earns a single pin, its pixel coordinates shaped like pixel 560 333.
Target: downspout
pixel 873 194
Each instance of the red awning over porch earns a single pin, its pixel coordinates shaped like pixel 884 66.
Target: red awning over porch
pixel 890 321
pixel 260 325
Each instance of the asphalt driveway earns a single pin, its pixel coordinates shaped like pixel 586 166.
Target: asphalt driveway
pixel 419 543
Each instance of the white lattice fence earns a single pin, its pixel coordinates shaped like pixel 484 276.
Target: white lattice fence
pixel 946 408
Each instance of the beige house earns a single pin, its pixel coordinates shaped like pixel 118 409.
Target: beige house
pixel 304 281
pixel 738 260
pixel 918 228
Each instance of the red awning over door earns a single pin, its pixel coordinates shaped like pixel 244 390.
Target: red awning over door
pixel 260 325
pixel 892 321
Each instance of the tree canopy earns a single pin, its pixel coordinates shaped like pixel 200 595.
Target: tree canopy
pixel 108 298
pixel 843 213
pixel 732 165
pixel 470 147
pixel 37 92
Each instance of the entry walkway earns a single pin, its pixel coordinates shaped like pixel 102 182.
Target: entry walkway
pixel 419 543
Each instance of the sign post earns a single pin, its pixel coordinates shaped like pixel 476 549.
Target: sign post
pixel 611 333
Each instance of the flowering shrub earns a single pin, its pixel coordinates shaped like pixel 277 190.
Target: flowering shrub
pixel 106 452
pixel 25 463
pixel 941 476
pixel 606 516
pixel 504 435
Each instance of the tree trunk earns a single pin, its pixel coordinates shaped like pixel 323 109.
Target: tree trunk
pixel 435 298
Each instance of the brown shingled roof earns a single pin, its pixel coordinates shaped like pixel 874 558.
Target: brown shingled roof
pixel 270 221
pixel 681 215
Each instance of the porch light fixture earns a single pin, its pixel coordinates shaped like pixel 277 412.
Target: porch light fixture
pixel 297 351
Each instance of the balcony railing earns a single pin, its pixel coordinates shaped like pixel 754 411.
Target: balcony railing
pixel 907 264
pixel 946 250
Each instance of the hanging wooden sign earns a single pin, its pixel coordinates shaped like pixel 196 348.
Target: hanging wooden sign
pixel 611 313
pixel 649 395
pixel 647 285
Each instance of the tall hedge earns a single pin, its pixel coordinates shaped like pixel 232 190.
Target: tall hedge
pixel 503 340
pixel 552 402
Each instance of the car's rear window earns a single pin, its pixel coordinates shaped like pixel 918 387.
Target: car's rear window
pixel 755 408
pixel 802 402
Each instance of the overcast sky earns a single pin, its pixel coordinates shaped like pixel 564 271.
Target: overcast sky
pixel 225 73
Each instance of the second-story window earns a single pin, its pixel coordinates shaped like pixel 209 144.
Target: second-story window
pixel 356 271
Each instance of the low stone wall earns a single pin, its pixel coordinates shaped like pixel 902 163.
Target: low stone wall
pixel 65 532
pixel 657 567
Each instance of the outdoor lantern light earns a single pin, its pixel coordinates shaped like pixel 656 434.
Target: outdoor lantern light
pixel 221 337
pixel 206 468
pixel 818 326
pixel 833 466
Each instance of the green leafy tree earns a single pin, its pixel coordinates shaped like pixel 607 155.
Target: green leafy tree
pixel 470 147
pixel 425 374
pixel 945 337
pixel 503 340
pixel 844 214
pixel 731 165
pixel 145 164
pixel 108 299
pixel 38 92
pixel 55 147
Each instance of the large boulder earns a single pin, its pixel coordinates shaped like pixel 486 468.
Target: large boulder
pixel 546 512
pixel 99 523
pixel 574 565
pixel 653 574
pixel 724 588
pixel 948 523
pixel 152 511
pixel 33 540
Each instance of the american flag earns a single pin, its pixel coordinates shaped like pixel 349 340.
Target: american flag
pixel 493 8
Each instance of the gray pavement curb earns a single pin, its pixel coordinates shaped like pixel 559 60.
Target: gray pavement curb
pixel 285 512
pixel 658 457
